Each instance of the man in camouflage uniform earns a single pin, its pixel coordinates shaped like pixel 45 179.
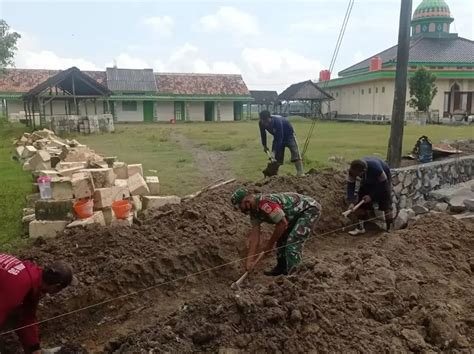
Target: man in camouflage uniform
pixel 293 215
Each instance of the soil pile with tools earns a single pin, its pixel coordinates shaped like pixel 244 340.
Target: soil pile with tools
pixel 410 291
pixel 171 242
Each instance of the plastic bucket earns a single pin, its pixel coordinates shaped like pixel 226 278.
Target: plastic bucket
pixel 84 208
pixel 44 184
pixel 121 208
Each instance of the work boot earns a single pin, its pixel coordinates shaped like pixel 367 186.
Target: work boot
pixel 299 168
pixel 279 269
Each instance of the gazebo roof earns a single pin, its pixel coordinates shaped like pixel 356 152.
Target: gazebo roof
pixel 305 91
pixel 264 97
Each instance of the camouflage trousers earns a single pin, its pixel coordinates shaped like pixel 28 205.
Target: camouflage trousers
pixel 290 245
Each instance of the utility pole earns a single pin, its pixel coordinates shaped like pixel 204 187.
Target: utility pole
pixel 394 154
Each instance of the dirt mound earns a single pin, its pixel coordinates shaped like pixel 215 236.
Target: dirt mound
pixel 171 243
pixel 410 291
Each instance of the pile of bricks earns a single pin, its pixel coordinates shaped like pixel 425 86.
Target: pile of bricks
pixel 78 172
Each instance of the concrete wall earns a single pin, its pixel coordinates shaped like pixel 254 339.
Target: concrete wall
pixel 195 111
pixel 226 111
pixel 412 184
pixel 15 106
pixel 164 111
pixel 127 116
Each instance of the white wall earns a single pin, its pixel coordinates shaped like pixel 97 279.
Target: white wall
pixel 15 106
pixel 226 111
pixel 126 116
pixel 195 111
pixel 164 111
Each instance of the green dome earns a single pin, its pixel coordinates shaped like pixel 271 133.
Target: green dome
pixel 432 8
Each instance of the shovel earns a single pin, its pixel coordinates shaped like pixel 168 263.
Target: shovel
pixel 272 167
pixel 236 285
pixel 350 211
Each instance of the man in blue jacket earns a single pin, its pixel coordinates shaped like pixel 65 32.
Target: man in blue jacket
pixel 283 136
pixel 375 187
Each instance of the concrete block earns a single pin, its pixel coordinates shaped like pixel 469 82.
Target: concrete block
pixel 49 173
pixel 137 203
pixel 82 185
pixel 50 228
pixel 158 201
pixel 62 188
pixel 108 215
pixel 120 170
pixel 102 198
pixel 134 169
pixel 67 165
pixel 137 185
pixel 122 222
pixel 27 166
pixel 54 210
pixel 68 172
pixel 19 150
pixel 41 160
pixel 153 184
pixel 121 182
pixel 102 177
pixel 31 200
pixel 97 218
pixel 28 152
pixel 120 192
pixel 469 203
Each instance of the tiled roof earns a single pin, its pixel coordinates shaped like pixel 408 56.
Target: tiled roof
pixel 201 84
pixel 454 50
pixel 306 90
pixel 131 80
pixel 264 97
pixel 23 80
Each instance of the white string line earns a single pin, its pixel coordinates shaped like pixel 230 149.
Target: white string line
pixel 173 281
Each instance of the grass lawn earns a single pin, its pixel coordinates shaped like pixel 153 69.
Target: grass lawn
pixel 15 184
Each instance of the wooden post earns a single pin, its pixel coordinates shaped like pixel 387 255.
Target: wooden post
pixel 74 95
pixel 6 108
pixel 85 106
pixel 95 106
pixel 33 112
pixel 394 153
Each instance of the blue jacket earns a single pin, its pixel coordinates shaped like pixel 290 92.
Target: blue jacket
pixel 371 178
pixel 281 130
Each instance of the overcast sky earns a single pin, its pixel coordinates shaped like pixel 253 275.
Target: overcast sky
pixel 271 43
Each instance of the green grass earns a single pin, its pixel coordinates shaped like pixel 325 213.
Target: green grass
pixel 155 148
pixel 15 184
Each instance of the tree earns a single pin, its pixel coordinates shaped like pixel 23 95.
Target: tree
pixel 422 90
pixel 8 41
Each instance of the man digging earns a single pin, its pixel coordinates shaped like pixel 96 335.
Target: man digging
pixel 375 186
pixel 293 215
pixel 22 285
pixel 283 137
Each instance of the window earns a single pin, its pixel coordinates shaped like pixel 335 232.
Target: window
pixel 383 89
pixel 362 91
pixel 129 106
pixel 370 91
pixel 376 90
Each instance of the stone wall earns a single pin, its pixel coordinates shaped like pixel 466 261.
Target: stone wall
pixel 411 185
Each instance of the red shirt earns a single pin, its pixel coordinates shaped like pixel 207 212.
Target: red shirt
pixel 20 285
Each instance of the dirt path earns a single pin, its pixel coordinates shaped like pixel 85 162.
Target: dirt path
pixel 212 165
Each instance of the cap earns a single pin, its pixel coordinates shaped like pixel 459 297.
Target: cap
pixel 238 195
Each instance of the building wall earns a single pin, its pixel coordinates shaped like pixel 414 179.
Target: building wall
pixel 195 111
pixel 226 111
pixel 128 116
pixel 164 111
pixel 356 98
pixel 15 106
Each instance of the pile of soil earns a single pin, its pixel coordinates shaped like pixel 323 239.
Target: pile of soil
pixel 410 291
pixel 171 243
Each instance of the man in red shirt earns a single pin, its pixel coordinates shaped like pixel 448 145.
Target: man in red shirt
pixel 22 284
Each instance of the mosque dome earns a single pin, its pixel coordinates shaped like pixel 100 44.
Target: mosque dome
pixel 432 18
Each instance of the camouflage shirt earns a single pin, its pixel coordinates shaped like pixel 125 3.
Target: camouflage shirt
pixel 272 208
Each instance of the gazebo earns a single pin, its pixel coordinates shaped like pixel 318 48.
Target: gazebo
pixel 307 96
pixel 263 100
pixel 71 86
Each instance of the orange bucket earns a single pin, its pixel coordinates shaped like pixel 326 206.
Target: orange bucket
pixel 121 208
pixel 84 208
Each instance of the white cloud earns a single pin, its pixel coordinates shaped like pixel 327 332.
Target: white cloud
pixel 320 26
pixel 126 61
pixel 232 20
pixel 276 69
pixel 161 25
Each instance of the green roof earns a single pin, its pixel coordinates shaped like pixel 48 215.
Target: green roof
pixel 430 5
